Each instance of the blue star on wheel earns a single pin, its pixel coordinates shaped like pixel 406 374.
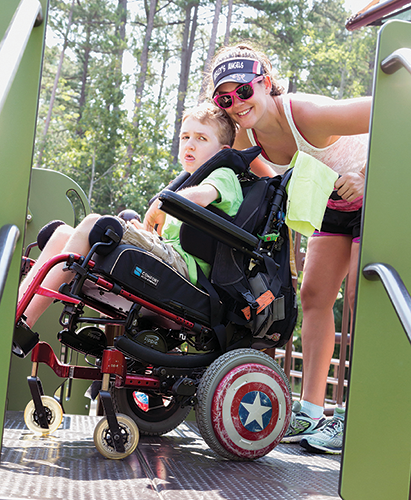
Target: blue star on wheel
pixel 255 411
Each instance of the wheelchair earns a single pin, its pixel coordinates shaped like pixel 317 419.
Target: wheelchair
pixel 182 346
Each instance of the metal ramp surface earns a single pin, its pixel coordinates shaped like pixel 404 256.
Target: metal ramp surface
pixel 178 465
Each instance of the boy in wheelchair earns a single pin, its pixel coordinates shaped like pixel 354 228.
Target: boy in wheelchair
pixel 205 131
pixel 158 291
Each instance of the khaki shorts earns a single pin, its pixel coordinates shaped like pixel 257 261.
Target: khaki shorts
pixel 153 244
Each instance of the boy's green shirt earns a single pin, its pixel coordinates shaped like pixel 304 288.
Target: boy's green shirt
pixel 226 183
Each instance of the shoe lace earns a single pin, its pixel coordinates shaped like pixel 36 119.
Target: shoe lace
pixel 295 423
pixel 333 427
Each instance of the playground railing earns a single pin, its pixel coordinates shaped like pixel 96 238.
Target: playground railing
pixel 396 291
pixel 9 234
pixel 27 16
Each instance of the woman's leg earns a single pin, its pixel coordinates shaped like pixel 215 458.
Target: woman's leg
pixel 65 239
pixel 353 271
pixel 326 265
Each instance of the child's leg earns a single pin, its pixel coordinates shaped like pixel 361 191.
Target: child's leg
pixel 134 234
pixel 65 239
pixel 54 246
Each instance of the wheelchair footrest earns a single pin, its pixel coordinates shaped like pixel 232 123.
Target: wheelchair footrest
pixel 24 340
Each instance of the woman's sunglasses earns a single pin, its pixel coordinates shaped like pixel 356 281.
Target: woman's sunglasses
pixel 243 92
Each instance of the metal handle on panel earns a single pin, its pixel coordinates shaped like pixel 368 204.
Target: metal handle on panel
pixel 9 234
pixel 398 59
pixel 396 290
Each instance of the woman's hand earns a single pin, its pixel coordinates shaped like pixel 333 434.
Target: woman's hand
pixel 154 216
pixel 350 186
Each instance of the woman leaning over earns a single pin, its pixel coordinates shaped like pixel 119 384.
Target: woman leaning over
pixel 331 131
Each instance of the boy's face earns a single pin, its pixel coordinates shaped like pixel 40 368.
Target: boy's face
pixel 198 143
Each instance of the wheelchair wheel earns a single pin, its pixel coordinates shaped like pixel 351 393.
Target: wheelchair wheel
pixel 54 414
pixel 104 441
pixel 244 405
pixel 154 414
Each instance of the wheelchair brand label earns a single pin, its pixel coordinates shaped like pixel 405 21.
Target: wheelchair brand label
pixel 145 276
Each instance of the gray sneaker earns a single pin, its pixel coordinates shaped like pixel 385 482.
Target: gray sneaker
pixel 301 425
pixel 330 438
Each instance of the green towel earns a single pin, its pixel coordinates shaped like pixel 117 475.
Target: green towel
pixel 310 186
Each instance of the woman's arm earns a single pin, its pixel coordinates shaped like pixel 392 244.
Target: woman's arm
pixel 321 120
pixel 258 167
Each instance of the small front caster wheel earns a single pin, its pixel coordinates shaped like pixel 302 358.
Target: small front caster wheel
pixel 54 415
pixel 103 439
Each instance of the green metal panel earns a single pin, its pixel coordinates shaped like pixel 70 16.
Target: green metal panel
pixel 377 450
pixel 53 195
pixel 17 127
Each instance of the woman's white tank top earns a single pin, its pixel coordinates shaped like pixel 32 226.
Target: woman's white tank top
pixel 346 154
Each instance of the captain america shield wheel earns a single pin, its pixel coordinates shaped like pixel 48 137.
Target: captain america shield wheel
pixel 250 410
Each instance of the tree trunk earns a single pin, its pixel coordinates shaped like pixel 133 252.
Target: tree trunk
pixel 84 75
pixel 211 50
pixel 121 35
pixel 186 54
pixel 228 23
pixel 144 58
pixel 121 28
pixel 55 85
pixel 292 85
pixel 93 173
pixel 142 75
pixel 166 56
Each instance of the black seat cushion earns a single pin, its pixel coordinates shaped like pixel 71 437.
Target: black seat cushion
pixel 150 278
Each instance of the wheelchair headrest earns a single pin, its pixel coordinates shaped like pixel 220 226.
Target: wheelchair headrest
pixel 46 232
pixel 108 231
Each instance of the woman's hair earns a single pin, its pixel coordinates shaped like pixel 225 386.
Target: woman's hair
pixel 246 51
pixel 209 113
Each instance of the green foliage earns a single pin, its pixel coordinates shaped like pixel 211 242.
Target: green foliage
pixel 310 48
pixel 91 136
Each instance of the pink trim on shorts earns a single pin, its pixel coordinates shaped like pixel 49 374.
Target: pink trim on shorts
pixel 345 206
pixel 323 233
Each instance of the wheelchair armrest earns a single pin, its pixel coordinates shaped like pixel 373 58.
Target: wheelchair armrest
pixel 201 218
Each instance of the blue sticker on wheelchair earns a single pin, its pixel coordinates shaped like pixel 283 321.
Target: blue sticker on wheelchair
pixel 145 276
pixel 255 411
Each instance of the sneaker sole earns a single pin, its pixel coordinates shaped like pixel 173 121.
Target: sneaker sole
pixel 291 440
pixel 318 448
pixel 296 439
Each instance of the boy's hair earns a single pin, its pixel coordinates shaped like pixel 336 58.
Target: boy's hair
pixel 209 113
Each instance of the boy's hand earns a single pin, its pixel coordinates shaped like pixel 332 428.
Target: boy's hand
pixel 136 223
pixel 154 216
pixel 350 186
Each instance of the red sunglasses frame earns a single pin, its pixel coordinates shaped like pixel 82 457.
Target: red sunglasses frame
pixel 235 94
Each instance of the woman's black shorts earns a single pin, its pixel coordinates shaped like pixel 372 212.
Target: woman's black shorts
pixel 341 223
